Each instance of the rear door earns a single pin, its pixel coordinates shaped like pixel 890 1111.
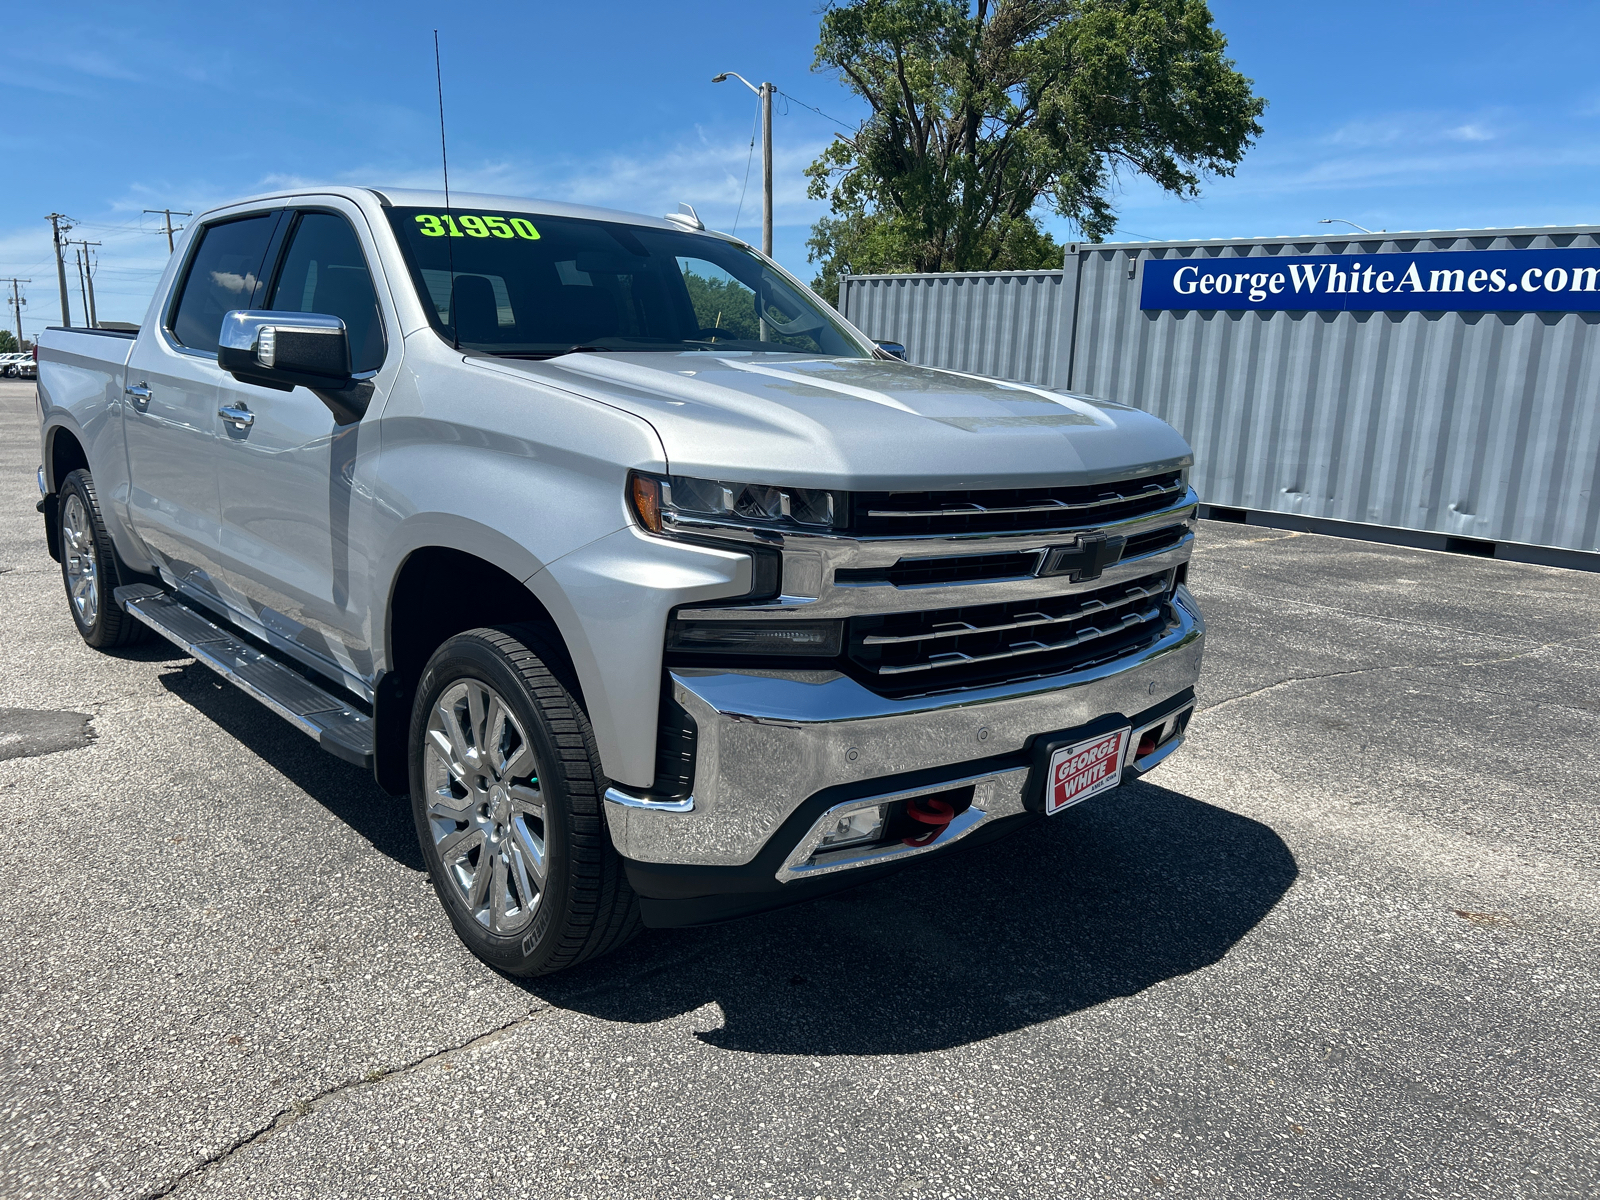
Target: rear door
pixel 286 478
pixel 174 389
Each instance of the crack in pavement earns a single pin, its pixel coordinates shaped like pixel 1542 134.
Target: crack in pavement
pixel 1272 687
pixel 300 1109
pixel 1452 662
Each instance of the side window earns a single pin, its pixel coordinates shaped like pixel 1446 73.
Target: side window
pixel 224 275
pixel 324 271
pixel 722 305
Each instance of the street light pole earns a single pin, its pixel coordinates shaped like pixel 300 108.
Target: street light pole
pixel 765 93
pixel 766 169
pixel 1352 224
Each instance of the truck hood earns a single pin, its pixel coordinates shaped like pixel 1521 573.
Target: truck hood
pixel 864 424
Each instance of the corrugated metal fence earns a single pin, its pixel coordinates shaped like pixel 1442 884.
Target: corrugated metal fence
pixel 1467 425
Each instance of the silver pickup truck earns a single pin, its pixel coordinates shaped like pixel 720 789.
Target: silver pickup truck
pixel 664 594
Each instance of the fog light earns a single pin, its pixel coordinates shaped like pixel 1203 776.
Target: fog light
pixel 853 829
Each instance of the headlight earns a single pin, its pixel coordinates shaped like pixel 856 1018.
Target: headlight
pixel 677 501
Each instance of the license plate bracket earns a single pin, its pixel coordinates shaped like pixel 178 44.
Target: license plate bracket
pixel 1070 771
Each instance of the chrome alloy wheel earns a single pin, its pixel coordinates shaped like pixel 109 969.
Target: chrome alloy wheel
pixel 77 553
pixel 486 813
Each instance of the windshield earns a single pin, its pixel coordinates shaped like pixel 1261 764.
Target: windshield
pixel 527 285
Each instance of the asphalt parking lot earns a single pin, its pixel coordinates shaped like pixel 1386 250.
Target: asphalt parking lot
pixel 1344 944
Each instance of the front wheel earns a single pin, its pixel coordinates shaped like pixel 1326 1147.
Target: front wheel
pixel 505 791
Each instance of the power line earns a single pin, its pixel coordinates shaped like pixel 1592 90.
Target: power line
pixel 816 110
pixel 749 158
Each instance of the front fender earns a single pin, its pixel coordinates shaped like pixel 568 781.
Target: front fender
pixel 610 600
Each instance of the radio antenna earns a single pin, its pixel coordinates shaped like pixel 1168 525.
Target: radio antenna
pixel 444 159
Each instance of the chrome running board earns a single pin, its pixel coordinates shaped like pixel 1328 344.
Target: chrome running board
pixel 333 723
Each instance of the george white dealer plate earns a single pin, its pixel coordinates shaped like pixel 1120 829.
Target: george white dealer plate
pixel 1084 769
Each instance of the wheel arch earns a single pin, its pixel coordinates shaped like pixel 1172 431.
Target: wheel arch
pixel 436 592
pixel 64 454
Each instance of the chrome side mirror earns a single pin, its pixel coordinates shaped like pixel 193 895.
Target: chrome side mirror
pixel 892 350
pixel 285 350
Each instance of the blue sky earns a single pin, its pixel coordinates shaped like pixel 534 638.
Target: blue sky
pixel 1396 115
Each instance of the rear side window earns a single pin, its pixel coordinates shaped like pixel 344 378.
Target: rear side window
pixel 225 274
pixel 325 272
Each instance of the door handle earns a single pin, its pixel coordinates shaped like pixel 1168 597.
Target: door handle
pixel 239 415
pixel 138 395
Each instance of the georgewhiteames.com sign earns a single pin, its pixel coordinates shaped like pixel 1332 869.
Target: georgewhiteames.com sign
pixel 1435 281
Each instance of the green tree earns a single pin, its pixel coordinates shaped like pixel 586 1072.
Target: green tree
pixel 983 112
pixel 8 342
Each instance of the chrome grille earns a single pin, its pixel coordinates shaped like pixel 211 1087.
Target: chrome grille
pixel 977 643
pixel 902 514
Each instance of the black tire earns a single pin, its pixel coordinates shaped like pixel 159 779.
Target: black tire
pixel 86 553
pixel 584 906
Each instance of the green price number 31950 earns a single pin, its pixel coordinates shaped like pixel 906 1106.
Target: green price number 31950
pixel 476 226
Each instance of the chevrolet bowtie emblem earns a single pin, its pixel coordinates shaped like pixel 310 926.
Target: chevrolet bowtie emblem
pixel 1091 554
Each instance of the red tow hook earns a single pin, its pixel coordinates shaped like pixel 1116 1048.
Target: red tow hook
pixel 931 811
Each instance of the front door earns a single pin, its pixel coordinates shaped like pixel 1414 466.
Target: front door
pixel 174 389
pixel 286 471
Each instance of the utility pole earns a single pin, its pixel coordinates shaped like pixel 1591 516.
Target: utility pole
pixel 88 273
pixel 169 214
pixel 766 169
pixel 56 220
pixel 86 281
pixel 765 93
pixel 17 301
pixel 83 292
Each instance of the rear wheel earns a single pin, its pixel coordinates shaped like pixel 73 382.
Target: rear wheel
pixel 89 567
pixel 505 788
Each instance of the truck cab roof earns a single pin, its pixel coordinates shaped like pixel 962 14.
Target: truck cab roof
pixel 468 201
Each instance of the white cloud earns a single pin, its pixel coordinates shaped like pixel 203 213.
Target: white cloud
pixel 705 171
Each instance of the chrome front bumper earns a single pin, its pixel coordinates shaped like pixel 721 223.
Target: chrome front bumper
pixel 769 740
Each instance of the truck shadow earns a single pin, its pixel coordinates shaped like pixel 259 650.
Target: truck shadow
pixel 1126 891
pixel 344 789
pixel 1112 897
